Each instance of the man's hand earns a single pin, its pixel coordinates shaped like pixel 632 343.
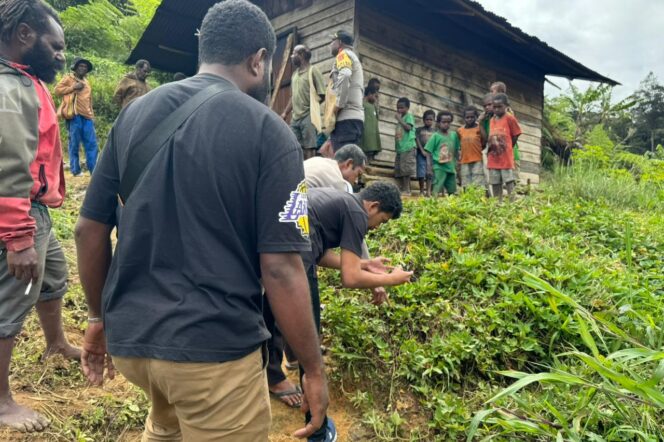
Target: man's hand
pixel 377 265
pixel 400 276
pixel 78 86
pixel 326 150
pixel 379 296
pixel 94 357
pixel 315 401
pixel 23 265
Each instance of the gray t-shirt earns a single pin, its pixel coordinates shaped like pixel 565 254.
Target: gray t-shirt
pixel 325 172
pixel 184 283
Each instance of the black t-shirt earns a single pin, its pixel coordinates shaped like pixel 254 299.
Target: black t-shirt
pixel 337 219
pixel 184 283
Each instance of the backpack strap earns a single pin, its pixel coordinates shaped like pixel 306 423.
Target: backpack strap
pixel 142 153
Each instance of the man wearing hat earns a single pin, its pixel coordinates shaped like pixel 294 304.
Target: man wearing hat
pixel 76 108
pixel 348 86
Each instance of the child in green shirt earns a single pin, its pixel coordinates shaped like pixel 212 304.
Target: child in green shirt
pixel 405 145
pixel 444 147
pixel 370 142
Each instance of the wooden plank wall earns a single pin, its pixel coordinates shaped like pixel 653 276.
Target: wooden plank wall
pixel 433 75
pixel 315 24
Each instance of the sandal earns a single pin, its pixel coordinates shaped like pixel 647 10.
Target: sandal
pixel 283 394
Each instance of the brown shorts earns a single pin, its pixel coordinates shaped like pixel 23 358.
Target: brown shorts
pixel 405 164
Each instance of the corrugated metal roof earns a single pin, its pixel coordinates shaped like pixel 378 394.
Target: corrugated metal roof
pixel 170 43
pixel 553 61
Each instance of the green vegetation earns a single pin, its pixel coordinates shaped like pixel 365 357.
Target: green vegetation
pixel 104 32
pixel 537 320
pixel 559 290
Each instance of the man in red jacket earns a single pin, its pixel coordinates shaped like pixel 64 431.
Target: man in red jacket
pixel 32 265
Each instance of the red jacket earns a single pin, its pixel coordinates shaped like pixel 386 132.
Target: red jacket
pixel 30 154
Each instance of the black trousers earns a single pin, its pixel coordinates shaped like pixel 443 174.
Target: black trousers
pixel 275 346
pixel 346 132
pixel 315 304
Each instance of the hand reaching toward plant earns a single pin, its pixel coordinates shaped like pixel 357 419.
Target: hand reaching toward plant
pixel 380 296
pixel 377 265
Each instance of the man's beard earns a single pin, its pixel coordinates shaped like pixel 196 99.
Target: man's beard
pixel 42 63
pixel 262 91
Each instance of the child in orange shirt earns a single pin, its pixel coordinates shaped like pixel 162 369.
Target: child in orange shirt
pixel 504 131
pixel 472 144
pixel 501 88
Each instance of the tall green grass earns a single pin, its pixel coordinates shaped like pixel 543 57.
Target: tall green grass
pixel 616 187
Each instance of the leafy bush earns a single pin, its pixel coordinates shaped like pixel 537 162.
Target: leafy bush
pixel 470 319
pixel 102 29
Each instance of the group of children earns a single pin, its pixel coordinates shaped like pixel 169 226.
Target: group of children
pixel 442 158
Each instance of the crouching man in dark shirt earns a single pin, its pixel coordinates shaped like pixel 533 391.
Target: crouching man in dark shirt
pixel 340 219
pixel 220 208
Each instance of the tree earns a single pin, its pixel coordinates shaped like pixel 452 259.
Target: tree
pixel 648 115
pixel 592 107
pixel 99 27
pixel 574 119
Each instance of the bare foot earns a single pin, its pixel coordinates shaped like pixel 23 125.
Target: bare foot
pixel 21 418
pixel 287 393
pixel 66 350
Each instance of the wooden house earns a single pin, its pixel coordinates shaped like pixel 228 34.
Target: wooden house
pixel 441 54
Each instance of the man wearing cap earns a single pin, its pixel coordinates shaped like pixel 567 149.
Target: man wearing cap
pixel 76 109
pixel 347 82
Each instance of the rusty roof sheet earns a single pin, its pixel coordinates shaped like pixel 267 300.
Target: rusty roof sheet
pixel 170 41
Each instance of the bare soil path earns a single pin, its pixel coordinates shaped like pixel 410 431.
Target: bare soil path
pixel 114 412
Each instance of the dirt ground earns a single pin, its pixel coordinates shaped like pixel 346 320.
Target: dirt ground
pixel 81 413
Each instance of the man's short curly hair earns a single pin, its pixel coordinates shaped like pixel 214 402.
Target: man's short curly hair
pixel 233 30
pixel 386 194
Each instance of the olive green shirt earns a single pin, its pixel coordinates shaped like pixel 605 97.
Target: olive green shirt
pixel 300 88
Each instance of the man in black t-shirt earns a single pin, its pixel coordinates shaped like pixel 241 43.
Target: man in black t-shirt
pixel 219 209
pixel 338 219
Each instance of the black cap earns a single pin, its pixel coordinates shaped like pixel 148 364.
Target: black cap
pixel 344 37
pixel 79 60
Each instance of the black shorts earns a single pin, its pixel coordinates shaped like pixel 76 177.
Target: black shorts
pixel 346 132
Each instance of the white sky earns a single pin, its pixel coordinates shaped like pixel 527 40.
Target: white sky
pixel 620 39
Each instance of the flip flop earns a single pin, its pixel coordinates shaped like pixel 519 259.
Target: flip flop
pixel 292 366
pixel 283 394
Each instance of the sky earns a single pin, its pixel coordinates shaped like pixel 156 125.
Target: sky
pixel 620 39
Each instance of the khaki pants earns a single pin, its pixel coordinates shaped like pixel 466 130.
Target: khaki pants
pixel 200 402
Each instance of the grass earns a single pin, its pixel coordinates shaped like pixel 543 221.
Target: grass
pixel 510 306
pixel 481 312
pixel 615 187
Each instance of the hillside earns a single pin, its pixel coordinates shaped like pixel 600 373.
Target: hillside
pixel 478 314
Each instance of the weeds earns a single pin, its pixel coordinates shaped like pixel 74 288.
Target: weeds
pixel 555 290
